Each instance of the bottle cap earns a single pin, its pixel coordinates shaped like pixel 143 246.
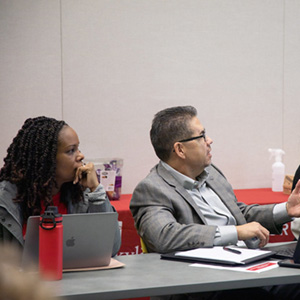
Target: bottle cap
pixel 278 153
pixel 52 211
pixel 50 217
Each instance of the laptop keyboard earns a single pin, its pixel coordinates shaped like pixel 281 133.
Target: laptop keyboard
pixel 285 253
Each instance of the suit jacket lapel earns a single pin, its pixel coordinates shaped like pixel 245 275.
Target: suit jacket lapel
pixel 168 178
pixel 223 189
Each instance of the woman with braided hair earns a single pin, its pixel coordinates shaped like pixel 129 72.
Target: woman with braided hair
pixel 43 167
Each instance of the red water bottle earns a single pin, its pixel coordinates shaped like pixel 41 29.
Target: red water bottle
pixel 51 244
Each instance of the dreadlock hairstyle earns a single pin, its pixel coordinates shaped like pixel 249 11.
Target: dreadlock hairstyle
pixel 30 164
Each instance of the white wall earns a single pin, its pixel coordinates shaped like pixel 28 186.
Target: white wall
pixel 107 67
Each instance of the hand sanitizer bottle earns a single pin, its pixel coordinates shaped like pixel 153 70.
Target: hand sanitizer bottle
pixel 278 170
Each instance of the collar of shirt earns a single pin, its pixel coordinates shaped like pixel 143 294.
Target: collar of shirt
pixel 187 182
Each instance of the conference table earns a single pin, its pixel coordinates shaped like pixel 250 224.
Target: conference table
pixel 131 241
pixel 148 275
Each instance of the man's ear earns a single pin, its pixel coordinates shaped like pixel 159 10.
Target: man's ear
pixel 179 150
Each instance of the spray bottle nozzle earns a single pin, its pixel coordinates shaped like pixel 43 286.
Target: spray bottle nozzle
pixel 277 153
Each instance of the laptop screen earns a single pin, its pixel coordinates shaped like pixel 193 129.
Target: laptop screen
pixel 87 240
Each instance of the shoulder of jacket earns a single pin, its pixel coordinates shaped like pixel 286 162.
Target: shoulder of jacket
pixel 8 191
pixel 8 187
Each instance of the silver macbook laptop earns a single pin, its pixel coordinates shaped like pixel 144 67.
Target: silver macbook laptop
pixel 87 240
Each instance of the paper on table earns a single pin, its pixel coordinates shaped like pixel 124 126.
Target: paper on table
pixel 256 268
pixel 217 253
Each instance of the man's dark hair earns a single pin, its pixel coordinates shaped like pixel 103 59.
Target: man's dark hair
pixel 170 126
pixel 30 164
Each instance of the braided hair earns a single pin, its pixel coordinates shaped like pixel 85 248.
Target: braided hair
pixel 30 164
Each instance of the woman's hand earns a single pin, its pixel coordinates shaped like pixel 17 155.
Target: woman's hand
pixel 86 176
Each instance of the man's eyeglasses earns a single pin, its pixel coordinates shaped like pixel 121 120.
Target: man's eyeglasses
pixel 194 138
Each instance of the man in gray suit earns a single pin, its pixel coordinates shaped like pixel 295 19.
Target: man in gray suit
pixel 186 202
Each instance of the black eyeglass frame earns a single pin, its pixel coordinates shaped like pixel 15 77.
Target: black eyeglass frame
pixel 194 138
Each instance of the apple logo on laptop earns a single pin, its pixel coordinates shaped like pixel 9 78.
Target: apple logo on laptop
pixel 70 242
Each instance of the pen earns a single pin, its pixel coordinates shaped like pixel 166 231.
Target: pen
pixel 232 250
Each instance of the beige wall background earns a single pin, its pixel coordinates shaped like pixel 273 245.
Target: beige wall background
pixel 106 67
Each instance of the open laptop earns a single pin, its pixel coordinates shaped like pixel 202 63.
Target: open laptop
pixel 295 261
pixel 283 251
pixel 289 253
pixel 87 240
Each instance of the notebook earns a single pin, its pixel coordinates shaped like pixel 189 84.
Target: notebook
pixel 220 255
pixel 87 240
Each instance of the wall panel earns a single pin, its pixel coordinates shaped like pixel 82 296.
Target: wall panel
pixel 30 63
pixel 107 67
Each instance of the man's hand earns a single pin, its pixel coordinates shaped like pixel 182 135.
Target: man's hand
pixel 293 203
pixel 251 230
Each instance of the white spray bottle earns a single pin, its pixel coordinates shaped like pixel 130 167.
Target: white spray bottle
pixel 278 170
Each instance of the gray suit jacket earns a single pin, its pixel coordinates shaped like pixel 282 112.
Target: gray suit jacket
pixel 168 219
